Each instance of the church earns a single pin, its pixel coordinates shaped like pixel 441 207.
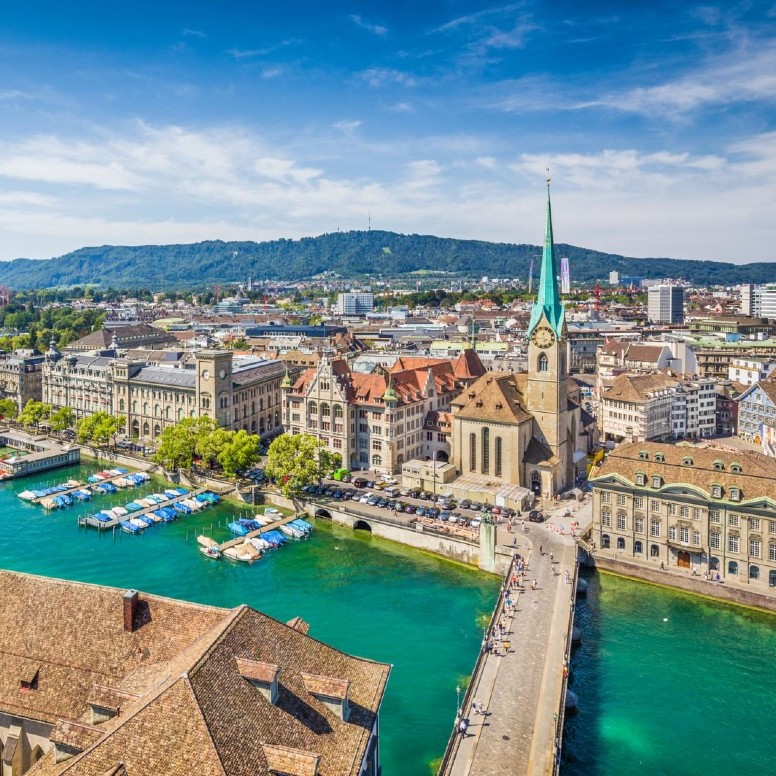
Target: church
pixel 517 434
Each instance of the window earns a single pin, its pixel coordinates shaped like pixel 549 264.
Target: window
pixel 715 516
pixel 638 547
pixel 542 363
pixel 732 568
pixel 325 409
pixel 606 518
pixel 733 544
pixel 377 444
pixel 714 541
pixel 497 471
pixel 672 533
pixel 638 502
pixel 638 525
pixel 377 460
pixel 687 461
pixel 754 572
pixel 696 513
pixel 671 509
pixel 606 497
pixel 654 550
pixel 620 543
pixel 772 551
pixel 733 520
pixel 620 499
pixel 472 452
pixel 485 450
pixel 654 506
pixel 654 528
pixel 621 521
pixel 735 468
pixel 719 466
pixel 684 535
pixel 754 548
pixel 643 455
pixel 754 523
pixel 735 494
pixel 656 481
pixel 337 411
pixel 605 541
pixel 684 512
pixel 660 458
pixel 696 537
pixel 716 491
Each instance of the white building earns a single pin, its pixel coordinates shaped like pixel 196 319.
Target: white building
pixel 665 304
pixel 355 303
pixel 758 301
pixel 749 371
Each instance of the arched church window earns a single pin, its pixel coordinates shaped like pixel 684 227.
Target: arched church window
pixel 485 450
pixel 497 471
pixel 472 452
pixel 543 363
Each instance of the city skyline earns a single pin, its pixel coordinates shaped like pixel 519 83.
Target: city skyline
pixel 186 122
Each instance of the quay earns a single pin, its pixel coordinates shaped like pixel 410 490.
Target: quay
pixel 33 454
pixel 100 525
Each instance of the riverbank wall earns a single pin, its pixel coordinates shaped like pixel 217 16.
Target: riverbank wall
pixel 697 586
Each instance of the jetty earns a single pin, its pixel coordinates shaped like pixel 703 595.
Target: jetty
pixel 102 525
pixel 258 532
pixel 82 486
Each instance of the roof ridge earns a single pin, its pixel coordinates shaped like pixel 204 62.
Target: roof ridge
pixel 234 617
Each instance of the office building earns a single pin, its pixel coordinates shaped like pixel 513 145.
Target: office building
pixel 665 304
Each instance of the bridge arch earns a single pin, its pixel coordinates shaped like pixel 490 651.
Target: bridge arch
pixel 362 525
pixel 323 513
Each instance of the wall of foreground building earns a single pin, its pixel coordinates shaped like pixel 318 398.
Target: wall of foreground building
pixel 699 586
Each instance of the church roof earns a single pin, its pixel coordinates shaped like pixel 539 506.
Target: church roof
pixel 548 302
pixel 495 397
pixel 468 365
pixel 537 452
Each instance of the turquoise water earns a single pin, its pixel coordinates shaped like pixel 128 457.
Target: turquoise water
pixel 369 597
pixel 669 684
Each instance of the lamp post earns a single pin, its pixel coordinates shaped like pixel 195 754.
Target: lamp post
pixel 457 702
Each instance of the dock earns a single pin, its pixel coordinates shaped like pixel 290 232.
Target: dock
pixel 82 486
pixel 102 525
pixel 251 534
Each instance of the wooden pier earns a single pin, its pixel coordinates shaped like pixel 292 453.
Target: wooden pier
pixel 83 486
pixel 271 527
pixel 102 525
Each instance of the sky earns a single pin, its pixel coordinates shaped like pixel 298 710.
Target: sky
pixel 160 122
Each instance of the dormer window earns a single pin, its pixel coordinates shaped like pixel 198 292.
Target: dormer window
pixel 736 468
pixel 716 491
pixel 660 458
pixel 687 461
pixel 719 466
pixel 735 494
pixel 643 455
pixel 657 480
pixel 641 478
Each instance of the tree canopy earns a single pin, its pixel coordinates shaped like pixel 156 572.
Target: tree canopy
pixel 62 418
pixel 296 460
pixel 33 413
pixel 8 408
pixel 99 428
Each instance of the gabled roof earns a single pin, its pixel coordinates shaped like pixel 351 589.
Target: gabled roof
pixel 637 389
pixel 468 365
pixel 494 397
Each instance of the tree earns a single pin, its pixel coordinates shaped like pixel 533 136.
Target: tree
pixel 210 440
pixel 296 460
pixel 99 427
pixel 33 412
pixel 8 408
pixel 240 452
pixel 62 418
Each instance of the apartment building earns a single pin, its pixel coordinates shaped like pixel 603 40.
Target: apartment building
pixel 21 377
pixel 757 412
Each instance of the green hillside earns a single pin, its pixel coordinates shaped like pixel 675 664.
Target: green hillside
pixel 346 253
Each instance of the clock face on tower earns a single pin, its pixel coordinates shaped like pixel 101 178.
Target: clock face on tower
pixel 543 337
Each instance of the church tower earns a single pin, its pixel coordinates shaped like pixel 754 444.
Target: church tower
pixel 547 387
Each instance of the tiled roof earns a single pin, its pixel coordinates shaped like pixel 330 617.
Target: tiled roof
pixel 172 376
pixel 468 365
pixel 196 711
pixel 692 465
pixel 637 389
pixel 496 397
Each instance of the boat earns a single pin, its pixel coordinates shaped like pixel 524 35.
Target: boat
pixel 104 516
pixel 148 520
pixel 139 522
pixel 129 527
pixel 209 547
pixel 81 495
pixel 170 493
pixel 302 525
pixel 233 553
pixel 133 506
pixel 182 508
pixel 120 511
pixel 272 511
pixel 26 495
pixel 294 533
pixel 168 514
pixel 275 538
pixel 182 491
pixel 48 503
pixel 260 544
pixel 237 528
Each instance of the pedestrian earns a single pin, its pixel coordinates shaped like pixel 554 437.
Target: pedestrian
pixel 533 585
pixel 552 556
pixel 481 708
pixel 514 542
pixel 718 577
pixel 541 549
pixel 475 710
pixel 568 576
pixel 509 527
pixel 462 727
pixel 662 565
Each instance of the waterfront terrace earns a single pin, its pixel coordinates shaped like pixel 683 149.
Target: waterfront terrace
pixel 99 680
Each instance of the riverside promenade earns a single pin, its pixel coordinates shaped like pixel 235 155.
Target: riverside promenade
pixel 523 689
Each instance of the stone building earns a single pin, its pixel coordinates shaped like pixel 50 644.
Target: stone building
pixel 695 508
pixel 21 377
pixel 526 430
pixel 238 392
pixel 757 412
pixel 135 335
pixel 104 681
pixel 379 420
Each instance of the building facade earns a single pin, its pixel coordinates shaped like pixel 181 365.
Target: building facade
pixel 21 377
pixel 757 413
pixel 705 510
pixel 665 304
pixel 355 303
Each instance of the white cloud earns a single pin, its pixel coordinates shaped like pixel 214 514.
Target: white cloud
pixel 347 126
pixel 379 76
pixel 143 183
pixel 377 29
pixel 194 33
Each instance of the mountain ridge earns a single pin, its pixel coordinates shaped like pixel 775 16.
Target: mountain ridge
pixel 348 254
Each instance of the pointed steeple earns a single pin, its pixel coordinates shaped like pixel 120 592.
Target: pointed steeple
pixel 548 298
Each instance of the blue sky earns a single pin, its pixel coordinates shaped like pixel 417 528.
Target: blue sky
pixel 131 123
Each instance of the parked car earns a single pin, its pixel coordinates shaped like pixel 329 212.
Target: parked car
pixel 465 504
pixel 360 482
pixel 373 501
pixel 409 509
pixel 535 516
pixel 432 512
pixel 444 515
pixel 475 523
pixel 365 498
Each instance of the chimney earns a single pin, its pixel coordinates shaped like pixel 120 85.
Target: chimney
pixel 263 676
pixel 130 607
pixel 331 692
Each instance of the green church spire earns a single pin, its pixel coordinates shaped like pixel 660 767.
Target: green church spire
pixel 548 298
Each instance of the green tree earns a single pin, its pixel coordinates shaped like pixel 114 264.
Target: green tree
pixel 34 412
pixel 62 418
pixel 99 427
pixel 296 460
pixel 240 452
pixel 210 440
pixel 178 443
pixel 8 408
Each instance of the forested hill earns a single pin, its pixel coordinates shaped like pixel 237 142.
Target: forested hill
pixel 346 253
